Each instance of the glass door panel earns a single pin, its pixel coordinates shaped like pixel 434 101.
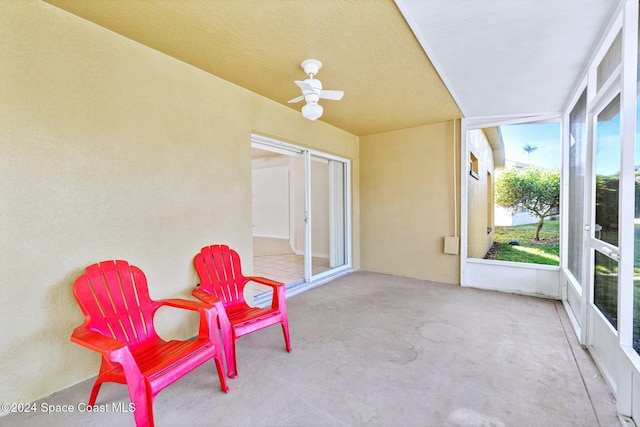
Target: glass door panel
pixel 319 215
pixel 278 214
pixel 337 214
pixel 328 216
pixel 636 233
pixel 636 224
pixel 605 287
pixel 577 168
pixel 607 169
pixel 605 230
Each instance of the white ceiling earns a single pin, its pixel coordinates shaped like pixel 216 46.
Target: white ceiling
pixel 483 57
pixel 509 57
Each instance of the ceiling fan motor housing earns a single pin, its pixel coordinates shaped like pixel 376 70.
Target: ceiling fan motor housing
pixel 311 66
pixel 312 90
pixel 311 97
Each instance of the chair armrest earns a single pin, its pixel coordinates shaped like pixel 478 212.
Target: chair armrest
pixel 209 310
pixel 279 289
pixel 95 341
pixel 111 349
pixel 264 281
pixel 212 300
pixel 205 297
pixel 184 303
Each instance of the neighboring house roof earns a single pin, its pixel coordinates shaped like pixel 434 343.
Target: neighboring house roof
pixel 494 136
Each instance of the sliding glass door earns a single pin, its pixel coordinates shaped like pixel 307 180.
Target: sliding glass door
pixel 317 222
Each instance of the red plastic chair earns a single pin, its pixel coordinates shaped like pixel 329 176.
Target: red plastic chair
pixel 222 283
pixel 118 312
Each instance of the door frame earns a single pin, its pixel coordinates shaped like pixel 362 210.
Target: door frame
pixel 600 336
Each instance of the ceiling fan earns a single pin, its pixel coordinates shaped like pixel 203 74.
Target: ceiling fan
pixel 312 90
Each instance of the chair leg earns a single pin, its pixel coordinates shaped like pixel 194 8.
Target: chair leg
pixel 143 402
pixel 229 344
pixel 94 392
pixel 221 376
pixel 103 377
pixel 285 332
pixel 230 355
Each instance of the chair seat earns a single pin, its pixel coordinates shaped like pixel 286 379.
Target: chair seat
pixel 155 358
pixel 250 316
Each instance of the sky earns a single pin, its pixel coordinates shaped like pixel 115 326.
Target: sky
pixel 544 136
pixel 608 147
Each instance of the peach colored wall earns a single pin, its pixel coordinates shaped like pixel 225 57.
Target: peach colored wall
pixel 407 202
pixel 109 149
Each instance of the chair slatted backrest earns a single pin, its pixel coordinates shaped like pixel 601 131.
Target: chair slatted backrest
pixel 114 298
pixel 220 273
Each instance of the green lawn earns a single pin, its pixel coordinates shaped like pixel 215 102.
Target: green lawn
pixel 546 251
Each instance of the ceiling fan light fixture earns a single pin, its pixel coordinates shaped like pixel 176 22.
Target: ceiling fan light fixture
pixel 312 111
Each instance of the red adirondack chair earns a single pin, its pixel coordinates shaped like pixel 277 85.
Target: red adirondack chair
pixel 118 312
pixel 222 282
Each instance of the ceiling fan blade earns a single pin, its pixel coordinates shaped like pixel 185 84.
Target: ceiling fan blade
pixel 304 85
pixel 298 99
pixel 335 95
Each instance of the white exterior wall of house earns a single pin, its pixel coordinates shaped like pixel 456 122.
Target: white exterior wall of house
pixel 504 218
pixel 480 184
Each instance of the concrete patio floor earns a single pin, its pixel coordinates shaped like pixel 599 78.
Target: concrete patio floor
pixel 379 350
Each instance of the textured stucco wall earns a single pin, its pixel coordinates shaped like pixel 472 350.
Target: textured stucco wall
pixel 407 202
pixel 109 149
pixel 479 241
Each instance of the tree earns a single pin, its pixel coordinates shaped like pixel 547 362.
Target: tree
pixel 529 149
pixel 530 189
